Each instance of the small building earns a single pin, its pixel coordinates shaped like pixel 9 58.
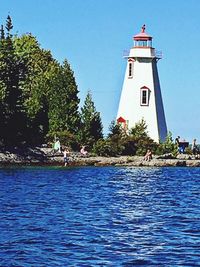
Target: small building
pixel 141 94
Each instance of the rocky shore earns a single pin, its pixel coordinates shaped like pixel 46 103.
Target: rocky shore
pixel 44 156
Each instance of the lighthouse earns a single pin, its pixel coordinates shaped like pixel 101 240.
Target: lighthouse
pixel 141 94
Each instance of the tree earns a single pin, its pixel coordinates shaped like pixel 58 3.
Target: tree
pixel 2 34
pixel 9 26
pixel 72 101
pixel 62 96
pixel 114 129
pixel 13 117
pixel 168 146
pixel 139 136
pixel 38 95
pixel 139 131
pixel 34 86
pixel 91 125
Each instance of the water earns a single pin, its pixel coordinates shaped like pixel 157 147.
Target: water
pixel 103 216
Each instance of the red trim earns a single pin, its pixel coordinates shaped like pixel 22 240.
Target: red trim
pixel 144 87
pixel 120 119
pixel 142 36
pixel 131 60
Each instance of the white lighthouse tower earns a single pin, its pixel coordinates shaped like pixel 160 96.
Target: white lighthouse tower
pixel 141 95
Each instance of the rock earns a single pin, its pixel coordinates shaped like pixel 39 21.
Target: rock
pixel 44 156
pixel 185 156
pixel 166 156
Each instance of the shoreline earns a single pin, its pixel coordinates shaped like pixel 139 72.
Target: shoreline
pixel 43 157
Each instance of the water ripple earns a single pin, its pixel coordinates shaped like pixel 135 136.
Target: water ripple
pixel 99 217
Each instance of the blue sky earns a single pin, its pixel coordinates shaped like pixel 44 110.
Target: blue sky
pixel 92 35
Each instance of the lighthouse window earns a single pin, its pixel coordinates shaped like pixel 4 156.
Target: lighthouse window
pixel 130 70
pixel 144 97
pixel 142 43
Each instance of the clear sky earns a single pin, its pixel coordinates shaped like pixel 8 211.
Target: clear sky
pixel 92 35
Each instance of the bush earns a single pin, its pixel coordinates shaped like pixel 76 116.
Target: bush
pixel 129 147
pixel 107 148
pixel 66 139
pixel 168 146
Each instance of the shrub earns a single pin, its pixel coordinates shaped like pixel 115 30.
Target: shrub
pixel 66 139
pixel 107 148
pixel 168 146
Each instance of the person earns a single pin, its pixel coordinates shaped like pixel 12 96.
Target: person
pixel 83 151
pixel 179 147
pixel 177 140
pixel 57 146
pixel 194 147
pixel 148 155
pixel 66 156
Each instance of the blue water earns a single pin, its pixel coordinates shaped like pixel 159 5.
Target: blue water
pixel 103 216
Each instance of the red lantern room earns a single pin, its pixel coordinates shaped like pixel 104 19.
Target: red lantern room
pixel 142 39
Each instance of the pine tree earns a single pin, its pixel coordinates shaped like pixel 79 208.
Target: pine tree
pixel 140 136
pixel 115 130
pixel 38 95
pixel 13 119
pixel 9 26
pixel 2 34
pixel 72 114
pixel 91 129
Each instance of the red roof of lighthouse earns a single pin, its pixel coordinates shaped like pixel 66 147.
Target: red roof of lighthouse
pixel 120 119
pixel 143 36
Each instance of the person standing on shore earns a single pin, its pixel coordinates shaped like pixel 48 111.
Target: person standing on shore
pixel 66 156
pixel 194 147
pixel 177 142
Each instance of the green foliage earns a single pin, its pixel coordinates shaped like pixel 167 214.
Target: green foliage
pixel 168 146
pixel 12 73
pixel 2 34
pixel 119 142
pixel 38 96
pixel 72 102
pixel 139 131
pixel 66 139
pixel 115 130
pixel 9 25
pixel 188 151
pixel 91 125
pixel 139 136
pixel 107 148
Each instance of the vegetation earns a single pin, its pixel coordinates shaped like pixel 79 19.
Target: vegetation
pixel 39 100
pixel 91 129
pixel 38 95
pixel 121 142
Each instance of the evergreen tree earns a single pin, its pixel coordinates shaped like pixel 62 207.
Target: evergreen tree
pixel 139 135
pixel 72 114
pixel 114 129
pixel 13 118
pixel 91 128
pixel 2 33
pixel 38 96
pixel 63 100
pixel 139 130
pixel 9 26
pixel 168 146
pixel 35 88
